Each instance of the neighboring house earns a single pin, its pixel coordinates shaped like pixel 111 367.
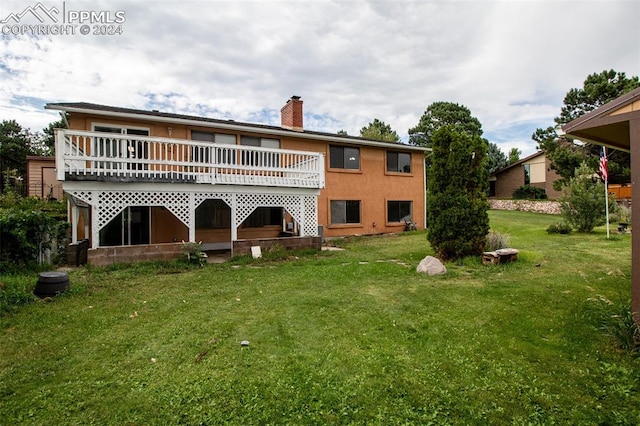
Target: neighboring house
pixel 143 181
pixel 41 178
pixel 534 170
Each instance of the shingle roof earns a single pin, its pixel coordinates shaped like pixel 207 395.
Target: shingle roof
pixel 87 107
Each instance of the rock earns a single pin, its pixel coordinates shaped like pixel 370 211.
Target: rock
pixel 431 266
pixel 244 343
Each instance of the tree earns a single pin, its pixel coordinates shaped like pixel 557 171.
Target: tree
pixel 583 203
pixel 16 143
pixel 566 156
pixel 496 159
pixel 440 114
pixel 514 155
pixel 380 131
pixel 49 140
pixel 457 208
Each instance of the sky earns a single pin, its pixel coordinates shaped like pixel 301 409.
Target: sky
pixel 510 62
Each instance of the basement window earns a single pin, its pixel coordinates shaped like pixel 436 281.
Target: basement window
pixel 345 211
pixel 398 211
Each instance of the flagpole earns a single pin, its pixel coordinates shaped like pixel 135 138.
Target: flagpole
pixel 606 191
pixel 606 203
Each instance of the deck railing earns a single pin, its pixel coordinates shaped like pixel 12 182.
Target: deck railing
pixel 121 157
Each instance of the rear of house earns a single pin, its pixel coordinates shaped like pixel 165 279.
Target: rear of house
pixel 141 182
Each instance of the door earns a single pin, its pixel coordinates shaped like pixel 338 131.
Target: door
pixel 130 227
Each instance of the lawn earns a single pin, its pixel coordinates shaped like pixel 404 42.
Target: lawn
pixel 350 337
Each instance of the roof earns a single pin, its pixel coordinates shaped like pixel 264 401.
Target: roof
pixel 519 162
pixel 166 117
pixel 608 124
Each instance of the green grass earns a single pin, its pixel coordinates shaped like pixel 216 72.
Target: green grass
pixel 352 337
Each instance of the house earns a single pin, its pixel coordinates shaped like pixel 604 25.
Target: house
pixel 534 170
pixel 141 182
pixel 616 124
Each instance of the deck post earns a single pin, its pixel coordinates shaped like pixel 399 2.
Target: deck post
pixel 634 142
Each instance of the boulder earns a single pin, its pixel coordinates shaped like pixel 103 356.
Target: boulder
pixel 431 266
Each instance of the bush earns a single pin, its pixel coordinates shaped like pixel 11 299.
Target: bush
pixel 28 227
pixel 583 203
pixel 559 228
pixel 192 253
pixel 496 241
pixel 528 192
pixel 622 214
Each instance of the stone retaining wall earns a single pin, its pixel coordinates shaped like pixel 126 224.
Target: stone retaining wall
pixel 547 207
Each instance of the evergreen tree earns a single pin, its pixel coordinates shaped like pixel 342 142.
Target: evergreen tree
pixel 457 208
pixel 379 130
pixel 514 155
pixel 440 114
pixel 496 159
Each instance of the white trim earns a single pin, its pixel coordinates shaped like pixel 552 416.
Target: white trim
pixel 71 185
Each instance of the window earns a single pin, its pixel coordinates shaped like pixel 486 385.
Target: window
pixel 201 153
pixel 399 162
pixel 527 174
pixel 344 157
pixel 345 211
pixel 122 148
pixel 264 216
pixel 213 214
pixel 267 159
pixel 398 211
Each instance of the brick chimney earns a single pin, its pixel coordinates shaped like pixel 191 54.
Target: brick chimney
pixel 291 114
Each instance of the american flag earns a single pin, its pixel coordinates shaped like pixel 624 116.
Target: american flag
pixel 604 172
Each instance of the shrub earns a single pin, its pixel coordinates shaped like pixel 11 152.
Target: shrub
pixel 528 192
pixel 559 228
pixel 192 253
pixel 622 214
pixel 496 241
pixel 458 204
pixel 28 227
pixel 583 203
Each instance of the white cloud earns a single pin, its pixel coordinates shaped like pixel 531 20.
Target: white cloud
pixel 511 63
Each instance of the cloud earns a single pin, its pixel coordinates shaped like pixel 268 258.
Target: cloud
pixel 511 63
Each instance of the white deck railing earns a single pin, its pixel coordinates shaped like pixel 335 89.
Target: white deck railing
pixel 109 156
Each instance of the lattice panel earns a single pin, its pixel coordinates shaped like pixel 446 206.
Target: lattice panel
pixel 310 222
pixel 247 203
pixel 111 203
pixel 200 197
pixel 86 196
